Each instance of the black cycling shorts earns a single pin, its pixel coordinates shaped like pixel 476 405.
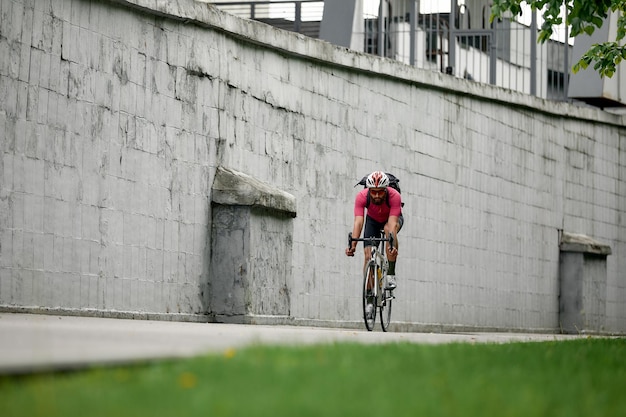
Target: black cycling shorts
pixel 374 228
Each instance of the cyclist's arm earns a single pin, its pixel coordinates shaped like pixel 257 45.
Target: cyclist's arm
pixel 395 211
pixel 359 216
pixel 356 229
pixel 356 233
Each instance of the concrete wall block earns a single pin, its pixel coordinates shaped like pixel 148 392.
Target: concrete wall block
pixel 40 114
pixel 103 90
pixel 33 213
pixel 170 270
pixel 128 98
pixel 154 266
pixel 12 28
pixel 111 227
pixel 53 256
pixel 44 69
pixel 41 24
pixel 137 67
pixel 109 57
pixel 10 63
pixel 226 287
pixel 270 268
pixel 6 282
pixel 153 47
pixel 162 77
pixel 30 60
pixel 14 105
pixel 57 112
pixel 34 173
pixel 81 84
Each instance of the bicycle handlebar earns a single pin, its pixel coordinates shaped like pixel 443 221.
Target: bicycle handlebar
pixel 369 239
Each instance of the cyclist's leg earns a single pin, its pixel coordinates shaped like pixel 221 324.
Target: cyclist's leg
pixel 393 256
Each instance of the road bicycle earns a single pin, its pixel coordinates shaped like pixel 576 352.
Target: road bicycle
pixel 376 296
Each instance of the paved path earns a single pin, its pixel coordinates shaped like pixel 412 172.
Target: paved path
pixel 30 342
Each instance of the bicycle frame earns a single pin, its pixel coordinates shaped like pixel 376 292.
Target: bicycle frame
pixel 382 264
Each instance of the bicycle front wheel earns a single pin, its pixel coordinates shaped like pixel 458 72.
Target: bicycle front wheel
pixel 385 309
pixel 369 298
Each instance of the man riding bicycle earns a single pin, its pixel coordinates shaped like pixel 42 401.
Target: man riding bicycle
pixel 384 212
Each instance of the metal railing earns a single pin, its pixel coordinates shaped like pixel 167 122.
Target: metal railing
pixel 297 16
pixel 504 53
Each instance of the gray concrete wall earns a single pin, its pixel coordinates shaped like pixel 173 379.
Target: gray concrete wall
pixel 116 114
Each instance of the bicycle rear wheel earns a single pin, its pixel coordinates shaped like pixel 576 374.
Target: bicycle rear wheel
pixel 369 300
pixel 385 309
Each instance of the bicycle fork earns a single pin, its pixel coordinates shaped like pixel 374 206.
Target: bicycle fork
pixel 379 289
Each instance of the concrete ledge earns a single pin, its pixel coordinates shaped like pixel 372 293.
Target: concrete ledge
pixel 396 326
pixel 238 189
pixel 571 242
pixel 109 314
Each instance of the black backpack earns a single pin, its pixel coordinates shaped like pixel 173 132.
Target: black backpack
pixel 394 183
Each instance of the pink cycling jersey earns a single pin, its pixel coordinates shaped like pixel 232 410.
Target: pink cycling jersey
pixel 380 213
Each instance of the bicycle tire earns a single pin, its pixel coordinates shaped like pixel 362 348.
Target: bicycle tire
pixel 369 317
pixel 385 309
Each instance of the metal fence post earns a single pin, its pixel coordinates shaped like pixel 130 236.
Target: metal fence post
pixel 452 39
pixel 298 18
pixel 493 56
pixel 533 54
pixel 381 28
pixel 413 26
pixel 566 63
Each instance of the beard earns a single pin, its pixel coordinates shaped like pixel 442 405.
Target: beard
pixel 377 201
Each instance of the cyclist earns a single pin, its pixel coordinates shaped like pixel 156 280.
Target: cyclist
pixel 384 212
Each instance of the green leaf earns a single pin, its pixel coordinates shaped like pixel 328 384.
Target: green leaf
pixel 583 17
pixel 597 21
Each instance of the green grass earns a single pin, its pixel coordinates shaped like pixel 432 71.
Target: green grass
pixel 585 377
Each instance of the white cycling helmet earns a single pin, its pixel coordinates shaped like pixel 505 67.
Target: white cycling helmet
pixel 377 179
